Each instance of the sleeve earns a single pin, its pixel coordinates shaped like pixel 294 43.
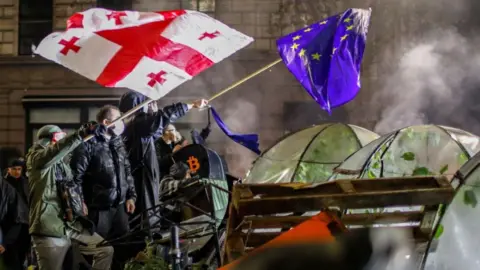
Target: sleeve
pixel 53 153
pixel 13 232
pixel 79 163
pixel 168 186
pixel 153 124
pixel 131 193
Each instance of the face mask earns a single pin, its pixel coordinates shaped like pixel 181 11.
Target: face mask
pixel 119 128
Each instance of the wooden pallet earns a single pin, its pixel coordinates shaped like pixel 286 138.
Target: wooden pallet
pixel 257 207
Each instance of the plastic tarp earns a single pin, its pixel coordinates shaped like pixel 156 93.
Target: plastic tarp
pixel 411 151
pixel 456 241
pixel 313 230
pixel 309 155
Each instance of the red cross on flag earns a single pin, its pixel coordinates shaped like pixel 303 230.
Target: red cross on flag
pixel 149 52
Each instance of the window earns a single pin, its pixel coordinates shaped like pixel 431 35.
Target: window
pixel 207 6
pixel 68 113
pixel 35 23
pixel 115 4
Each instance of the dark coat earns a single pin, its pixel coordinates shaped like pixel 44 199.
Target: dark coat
pixel 21 187
pixel 102 168
pixel 139 135
pixel 11 213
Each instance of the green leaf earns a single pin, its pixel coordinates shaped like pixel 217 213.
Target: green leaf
pixel 444 169
pixel 439 232
pixel 376 165
pixel 469 198
pixel 371 174
pixel 462 158
pixel 409 156
pixel 421 171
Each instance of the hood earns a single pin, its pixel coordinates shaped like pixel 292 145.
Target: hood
pixel 130 100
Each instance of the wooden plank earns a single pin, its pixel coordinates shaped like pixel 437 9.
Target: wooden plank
pixel 346 186
pixel 431 196
pixel 274 190
pixel 269 222
pixel 258 239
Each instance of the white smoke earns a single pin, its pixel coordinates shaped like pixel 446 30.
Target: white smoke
pixel 433 78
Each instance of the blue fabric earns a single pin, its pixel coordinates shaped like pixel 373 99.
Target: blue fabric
pixel 249 141
pixel 325 57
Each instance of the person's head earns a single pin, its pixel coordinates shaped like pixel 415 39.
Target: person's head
pixel 107 115
pixel 15 168
pixel 169 133
pixel 50 134
pixel 180 171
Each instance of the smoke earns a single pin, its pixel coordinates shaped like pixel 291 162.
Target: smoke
pixel 435 81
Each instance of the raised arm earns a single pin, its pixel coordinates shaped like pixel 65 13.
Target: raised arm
pixel 153 124
pixel 53 153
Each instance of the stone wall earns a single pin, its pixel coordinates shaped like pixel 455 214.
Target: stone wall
pixel 8 27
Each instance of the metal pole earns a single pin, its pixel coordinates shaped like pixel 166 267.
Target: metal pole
pixel 175 252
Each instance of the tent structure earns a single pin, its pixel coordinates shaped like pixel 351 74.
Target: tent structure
pixel 410 151
pixel 308 155
pixel 456 242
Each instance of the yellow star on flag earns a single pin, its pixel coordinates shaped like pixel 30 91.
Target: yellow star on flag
pixel 294 46
pixel 347 20
pixel 302 52
pixel 307 30
pixel 324 22
pixel 316 56
pixel 334 50
pixel 349 27
pixel 344 37
pixel 297 37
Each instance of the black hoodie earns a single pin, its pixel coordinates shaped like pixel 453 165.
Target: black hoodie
pixel 139 135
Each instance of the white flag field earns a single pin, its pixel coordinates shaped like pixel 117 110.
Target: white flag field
pixel 148 52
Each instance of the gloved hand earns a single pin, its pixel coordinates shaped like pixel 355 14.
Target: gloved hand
pixel 92 129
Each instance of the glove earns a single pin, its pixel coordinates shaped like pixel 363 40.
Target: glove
pixel 92 129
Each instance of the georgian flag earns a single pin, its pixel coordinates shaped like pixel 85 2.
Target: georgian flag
pixel 149 52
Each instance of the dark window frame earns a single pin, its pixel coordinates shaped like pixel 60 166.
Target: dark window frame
pixel 58 102
pixel 118 5
pixel 28 22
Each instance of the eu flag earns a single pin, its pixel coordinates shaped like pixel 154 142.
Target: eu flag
pixel 325 57
pixel 249 141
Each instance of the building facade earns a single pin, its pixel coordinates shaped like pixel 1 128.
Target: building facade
pixel 34 92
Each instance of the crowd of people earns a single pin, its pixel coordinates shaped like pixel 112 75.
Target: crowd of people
pixel 70 191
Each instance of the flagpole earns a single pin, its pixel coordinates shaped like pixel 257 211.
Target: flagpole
pixel 245 79
pixel 146 102
pixel 125 115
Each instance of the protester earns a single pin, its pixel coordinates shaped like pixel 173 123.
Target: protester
pixel 139 138
pixel 178 176
pixel 102 168
pixel 50 179
pixel 10 221
pixel 18 240
pixel 170 141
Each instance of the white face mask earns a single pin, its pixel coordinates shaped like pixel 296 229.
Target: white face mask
pixel 119 128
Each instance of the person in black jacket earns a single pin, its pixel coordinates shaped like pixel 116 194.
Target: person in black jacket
pixel 18 243
pixel 139 136
pixel 102 168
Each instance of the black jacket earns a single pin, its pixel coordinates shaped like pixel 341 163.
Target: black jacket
pixel 139 136
pixel 102 168
pixel 21 187
pixel 10 213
